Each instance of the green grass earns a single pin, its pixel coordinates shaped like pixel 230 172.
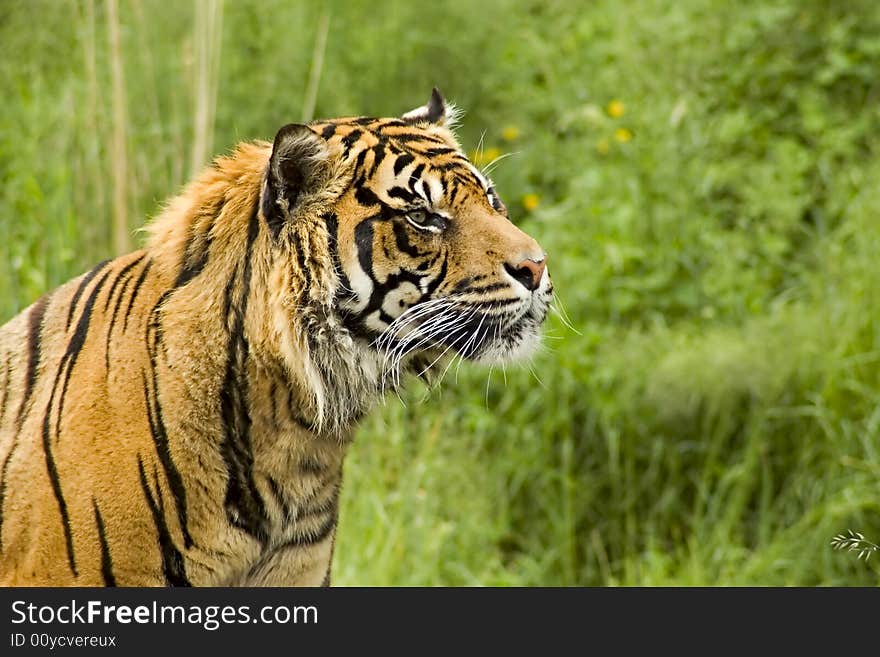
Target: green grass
pixel 714 418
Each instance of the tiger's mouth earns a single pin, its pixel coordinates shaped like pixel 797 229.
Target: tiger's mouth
pixel 484 335
pixel 438 330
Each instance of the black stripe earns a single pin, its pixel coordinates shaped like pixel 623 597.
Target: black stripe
pixel 6 386
pixel 363 239
pixel 462 158
pixel 468 177
pixel 56 489
pixel 281 501
pixel 429 193
pixel 290 402
pixel 301 260
pixel 364 243
pixel 35 324
pixel 389 123
pixel 160 440
pixel 402 194
pixel 427 264
pixel 386 251
pixel 273 389
pixel 3 473
pixel 409 137
pixel 351 138
pixel 293 415
pixel 445 167
pixel 436 152
pixel 359 161
pixel 330 504
pixel 117 305
pixel 496 304
pixel 498 205
pixel 333 246
pixel 195 255
pixel 402 162
pixel 365 196
pixel 459 177
pixel 328 130
pixel 379 153
pixel 74 347
pixel 134 293
pixel 479 330
pixel 8 458
pixel 485 288
pixel 455 186
pixel 312 537
pixel 106 561
pixel 434 284
pixel 401 239
pixel 312 466
pixel 245 508
pixel 414 177
pixel 119 277
pixel 82 286
pixel 172 560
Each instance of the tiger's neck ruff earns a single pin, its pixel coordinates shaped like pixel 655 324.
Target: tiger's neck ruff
pixel 180 415
pixel 274 295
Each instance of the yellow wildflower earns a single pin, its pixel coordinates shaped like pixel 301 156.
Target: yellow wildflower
pixel 531 201
pixel 510 133
pixel 602 147
pixel 615 109
pixel 623 135
pixel 485 157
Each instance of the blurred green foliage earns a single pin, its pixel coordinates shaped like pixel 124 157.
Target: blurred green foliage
pixel 704 177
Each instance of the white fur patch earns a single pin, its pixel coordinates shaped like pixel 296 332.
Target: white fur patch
pixel 361 283
pixel 400 298
pixel 436 188
pixel 373 322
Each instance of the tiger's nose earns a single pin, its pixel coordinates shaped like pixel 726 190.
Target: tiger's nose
pixel 528 272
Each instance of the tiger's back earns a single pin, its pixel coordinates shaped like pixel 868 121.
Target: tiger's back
pixel 78 430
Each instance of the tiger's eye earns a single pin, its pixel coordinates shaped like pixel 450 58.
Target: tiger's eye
pixel 417 216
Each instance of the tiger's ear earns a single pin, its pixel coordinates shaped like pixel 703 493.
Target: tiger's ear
pixel 299 166
pixel 436 112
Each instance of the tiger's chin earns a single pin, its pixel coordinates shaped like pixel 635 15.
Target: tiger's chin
pixel 507 349
pixel 510 349
pixel 517 344
pixel 428 348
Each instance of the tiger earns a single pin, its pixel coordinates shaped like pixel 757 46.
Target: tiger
pixel 179 416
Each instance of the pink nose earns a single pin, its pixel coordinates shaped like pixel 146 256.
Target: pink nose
pixel 528 272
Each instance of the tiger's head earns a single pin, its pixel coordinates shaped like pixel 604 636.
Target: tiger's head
pixel 424 260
